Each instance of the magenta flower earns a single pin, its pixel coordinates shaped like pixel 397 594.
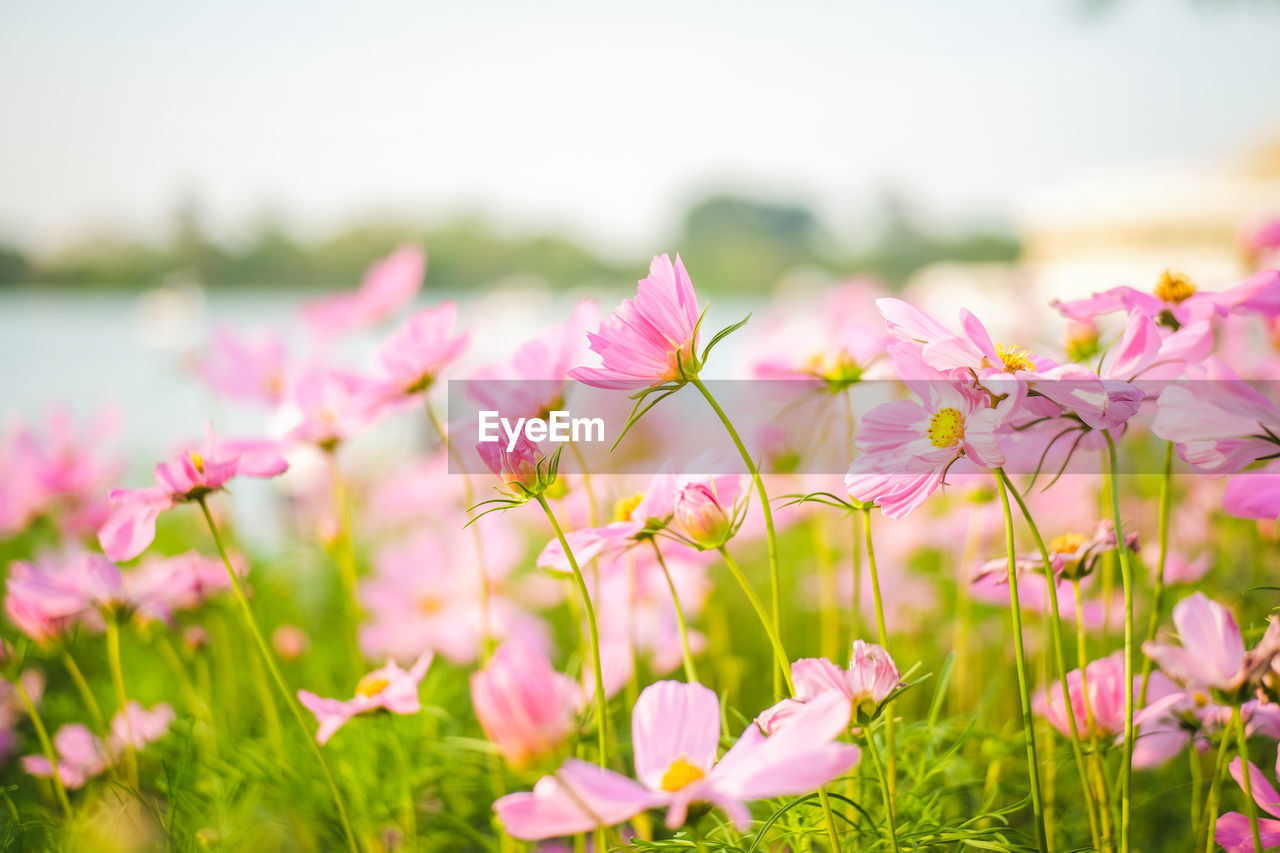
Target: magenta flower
pixel 1220 424
pixel 252 369
pixel 82 755
pixel 413 357
pixel 389 689
pixel 524 706
pixel 675 735
pixel 871 679
pixel 907 447
pixel 1105 697
pixel 387 286
pixel 329 405
pixel 1233 831
pixel 190 477
pixel 1212 656
pixel 649 340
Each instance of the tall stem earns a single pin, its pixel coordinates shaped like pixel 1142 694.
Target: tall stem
pixel 1050 580
pixel 1126 575
pixel 281 685
pixel 690 673
pixel 1020 658
pixel 46 745
pixel 346 560
pixel 593 630
pixel 1246 771
pixel 122 698
pixel 771 535
pixel 888 795
pixel 882 638
pixel 779 653
pixel 1210 816
pixel 1157 598
pixel 86 693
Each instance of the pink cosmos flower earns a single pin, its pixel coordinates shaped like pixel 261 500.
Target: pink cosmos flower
pixel 328 405
pixel 387 286
pixel 1219 423
pixel 1233 830
pixel 1071 554
pixel 413 357
pixel 522 703
pixel 1212 655
pixel 246 368
pixel 82 755
pixel 1105 697
pixel 635 518
pixel 871 678
pixel 533 381
pixel 707 512
pixel 181 582
pixel 675 735
pixel 907 447
pixel 651 339
pixel 1174 300
pixel 189 477
pixel 389 688
pixel 1253 495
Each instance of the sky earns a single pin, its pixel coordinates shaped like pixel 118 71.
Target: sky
pixel 602 118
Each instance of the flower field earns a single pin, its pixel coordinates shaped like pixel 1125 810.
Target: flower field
pixel 976 589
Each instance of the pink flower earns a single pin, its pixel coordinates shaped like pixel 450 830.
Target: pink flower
pixel 330 405
pixel 181 582
pixel 533 382
pixel 523 705
pixel 524 469
pixel 675 735
pixel 907 447
pixel 700 513
pixel 389 688
pixel 252 369
pixel 413 357
pixel 1233 830
pixel 1251 495
pixel 651 339
pixel 1105 695
pixel 1220 423
pixel 45 601
pixel 872 677
pixel 387 286
pixel 1173 300
pixel 82 755
pixel 189 477
pixel 1212 655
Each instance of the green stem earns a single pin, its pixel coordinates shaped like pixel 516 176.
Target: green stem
pixel 771 535
pixel 274 668
pixel 1210 816
pixel 1243 741
pixel 882 638
pixel 690 673
pixel 46 745
pixel 779 653
pixel 1126 575
pixel 86 693
pixel 1059 654
pixel 593 630
pixel 122 698
pixel 1157 599
pixel 829 819
pixel 884 786
pixel 1020 657
pixel 346 561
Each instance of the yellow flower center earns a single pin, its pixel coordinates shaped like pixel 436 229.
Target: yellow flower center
pixel 1067 543
pixel 680 774
pixel 197 460
pixel 1014 358
pixel 371 685
pixel 430 605
pixel 622 509
pixel 946 427
pixel 1174 287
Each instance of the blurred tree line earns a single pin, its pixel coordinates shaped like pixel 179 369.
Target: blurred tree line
pixel 741 244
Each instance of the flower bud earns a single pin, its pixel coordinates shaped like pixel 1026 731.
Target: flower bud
pixel 524 706
pixel 701 517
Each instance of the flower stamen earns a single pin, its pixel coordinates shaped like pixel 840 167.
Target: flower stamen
pixel 1014 358
pixel 680 774
pixel 371 685
pixel 946 428
pixel 1174 287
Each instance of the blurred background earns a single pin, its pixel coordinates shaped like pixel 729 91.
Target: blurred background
pixel 167 168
